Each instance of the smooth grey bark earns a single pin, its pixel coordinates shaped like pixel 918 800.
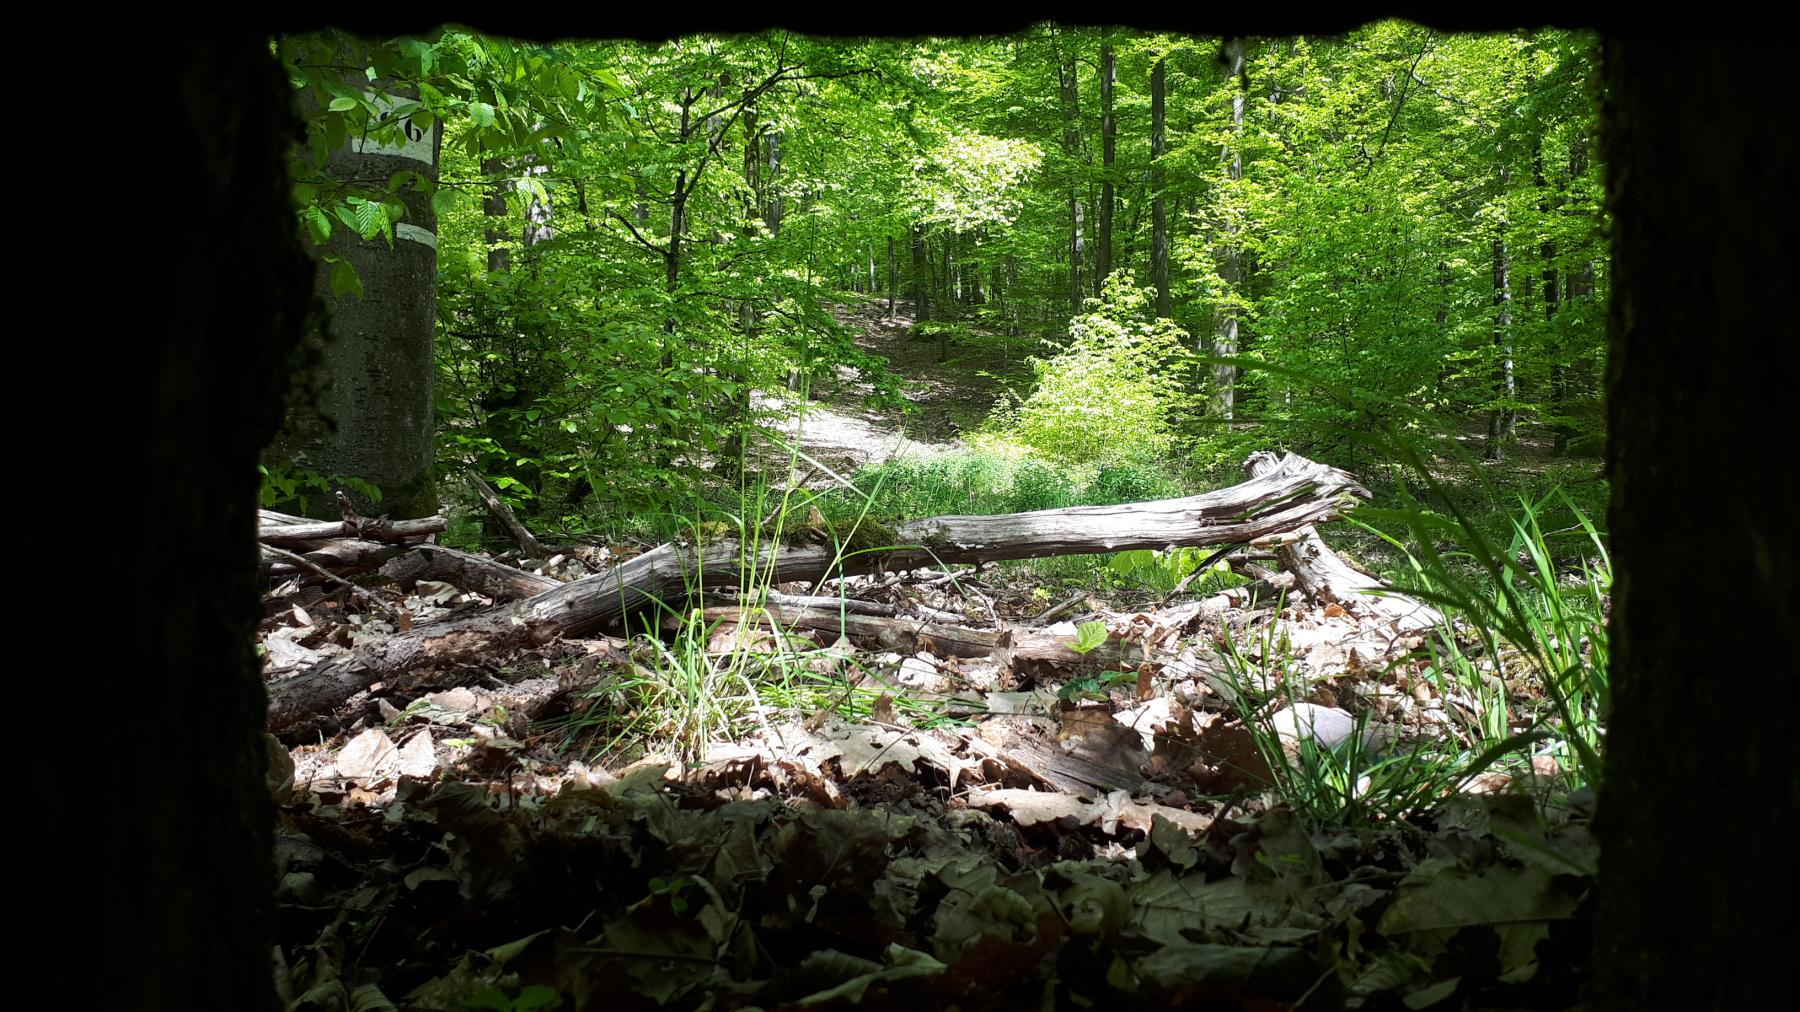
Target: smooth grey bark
pixel 1231 257
pixel 1552 298
pixel 921 282
pixel 540 212
pixel 891 279
pixel 1103 252
pixel 1069 95
pixel 1159 227
pixel 1501 418
pixel 775 207
pixel 374 417
pixel 493 207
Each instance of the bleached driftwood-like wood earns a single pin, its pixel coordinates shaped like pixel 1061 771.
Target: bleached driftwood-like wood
pixel 287 535
pixel 343 557
pixel 1323 575
pixel 886 632
pixel 470 572
pixel 1289 494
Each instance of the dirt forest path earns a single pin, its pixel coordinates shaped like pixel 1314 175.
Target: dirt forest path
pixel 842 427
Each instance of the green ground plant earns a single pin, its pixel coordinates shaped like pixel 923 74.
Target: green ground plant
pixel 1523 640
pixel 694 681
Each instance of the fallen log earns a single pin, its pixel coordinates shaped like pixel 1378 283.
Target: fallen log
pixel 287 535
pixel 1286 495
pixel 1324 576
pixel 1031 653
pixel 470 572
pixel 830 604
pixel 887 633
pixel 342 557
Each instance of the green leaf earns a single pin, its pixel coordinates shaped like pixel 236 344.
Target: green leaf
pixel 370 218
pixel 319 222
pixel 344 280
pixel 1089 635
pixel 342 104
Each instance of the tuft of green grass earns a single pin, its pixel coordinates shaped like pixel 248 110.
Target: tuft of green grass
pixel 1362 778
pixel 1539 629
pixel 1522 639
pixel 689 686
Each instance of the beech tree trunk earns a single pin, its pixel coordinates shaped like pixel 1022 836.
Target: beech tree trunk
pixel 1231 258
pixel 1704 243
pixel 187 917
pixel 1500 418
pixel 1070 95
pixel 1159 229
pixel 1109 72
pixel 374 417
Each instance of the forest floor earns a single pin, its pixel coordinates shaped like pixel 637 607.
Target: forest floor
pixel 844 423
pixel 973 796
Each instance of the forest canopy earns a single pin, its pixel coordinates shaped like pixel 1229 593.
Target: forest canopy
pixel 1269 241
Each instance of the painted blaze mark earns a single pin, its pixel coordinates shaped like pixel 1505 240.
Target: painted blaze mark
pixel 415 144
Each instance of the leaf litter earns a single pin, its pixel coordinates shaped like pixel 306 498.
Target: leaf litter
pixel 981 836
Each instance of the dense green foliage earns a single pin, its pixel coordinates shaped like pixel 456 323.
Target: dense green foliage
pixel 1390 229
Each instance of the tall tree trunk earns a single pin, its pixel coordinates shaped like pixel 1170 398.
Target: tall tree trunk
pixel 1704 325
pixel 187 914
pixel 1070 94
pixel 890 276
pixel 510 386
pixel 374 418
pixel 1444 281
pixel 755 198
pixel 1552 295
pixel 1103 254
pixel 1500 419
pixel 493 207
pixel 1577 381
pixel 944 290
pixel 953 267
pixel 1159 228
pixel 1231 260
pixel 775 207
pixel 921 281
pixel 665 452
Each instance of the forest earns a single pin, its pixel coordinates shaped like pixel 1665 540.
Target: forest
pixel 1085 517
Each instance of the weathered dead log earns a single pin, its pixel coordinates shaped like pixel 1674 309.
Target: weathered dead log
pixel 1029 652
pixel 342 557
pixel 1323 575
pixel 1287 495
pixel 885 632
pixel 499 510
pixel 362 529
pixel 470 572
pixel 830 604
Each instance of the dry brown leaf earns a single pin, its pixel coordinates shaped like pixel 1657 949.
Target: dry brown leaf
pixel 369 754
pixel 418 758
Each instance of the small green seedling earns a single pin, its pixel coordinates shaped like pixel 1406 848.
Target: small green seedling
pixel 1088 635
